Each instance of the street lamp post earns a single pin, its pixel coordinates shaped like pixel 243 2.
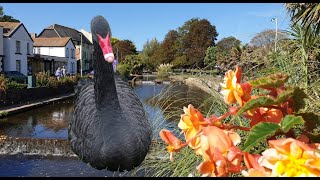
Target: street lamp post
pixel 276 37
pixel 80 54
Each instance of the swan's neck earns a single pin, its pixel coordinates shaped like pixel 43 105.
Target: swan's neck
pixel 104 83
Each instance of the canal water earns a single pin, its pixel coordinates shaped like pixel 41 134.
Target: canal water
pixel 163 104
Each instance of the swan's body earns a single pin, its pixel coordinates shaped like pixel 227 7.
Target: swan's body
pixel 109 128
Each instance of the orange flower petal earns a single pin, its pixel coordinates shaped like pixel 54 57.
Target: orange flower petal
pixel 206 168
pixel 168 137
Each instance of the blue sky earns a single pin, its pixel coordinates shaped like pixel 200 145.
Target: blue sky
pixel 140 22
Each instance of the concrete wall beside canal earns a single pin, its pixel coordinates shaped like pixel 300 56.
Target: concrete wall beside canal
pixel 18 96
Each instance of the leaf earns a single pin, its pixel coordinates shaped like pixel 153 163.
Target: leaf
pixel 298 99
pixel 274 80
pixel 266 101
pixel 312 120
pixel 259 133
pixel 254 103
pixel 289 121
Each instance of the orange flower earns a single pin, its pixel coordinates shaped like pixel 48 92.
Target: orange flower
pixel 174 144
pixel 232 90
pixel 191 123
pixel 220 154
pixel 291 157
pixel 263 114
pixel 254 168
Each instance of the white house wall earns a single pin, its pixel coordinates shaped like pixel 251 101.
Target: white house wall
pixel 10 50
pixel 72 58
pixel 61 53
pixel 52 51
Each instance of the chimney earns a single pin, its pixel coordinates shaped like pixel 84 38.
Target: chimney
pixel 33 35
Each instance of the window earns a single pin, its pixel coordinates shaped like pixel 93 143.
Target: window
pixel 17 46
pixel 28 51
pixel 38 50
pixel 18 65
pixel 67 52
pixel 72 67
pixel 72 53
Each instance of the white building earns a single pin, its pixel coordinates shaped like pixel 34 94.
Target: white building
pixel 1 48
pixel 54 52
pixel 18 46
pixel 79 39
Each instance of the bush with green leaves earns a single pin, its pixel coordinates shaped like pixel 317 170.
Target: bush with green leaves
pixel 164 70
pixel 124 70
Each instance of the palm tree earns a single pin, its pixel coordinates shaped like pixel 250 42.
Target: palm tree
pixel 304 43
pixel 308 14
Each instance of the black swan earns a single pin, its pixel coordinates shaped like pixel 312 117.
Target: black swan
pixel 109 129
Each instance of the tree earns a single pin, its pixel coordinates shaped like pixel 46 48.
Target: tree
pixel 123 48
pixel 226 44
pixel 267 37
pixel 305 46
pixel 196 35
pixel 114 41
pixel 306 13
pixel 135 63
pixel 6 18
pixel 148 50
pixel 210 59
pixel 167 50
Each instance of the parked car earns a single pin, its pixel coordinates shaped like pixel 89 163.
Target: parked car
pixel 15 76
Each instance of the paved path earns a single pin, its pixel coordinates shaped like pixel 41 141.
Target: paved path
pixel 9 110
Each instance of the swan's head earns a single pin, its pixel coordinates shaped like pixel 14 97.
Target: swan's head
pixel 106 48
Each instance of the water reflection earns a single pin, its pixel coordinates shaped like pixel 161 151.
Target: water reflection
pixel 160 101
pixel 49 121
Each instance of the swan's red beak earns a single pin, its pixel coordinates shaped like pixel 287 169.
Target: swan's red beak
pixel 106 48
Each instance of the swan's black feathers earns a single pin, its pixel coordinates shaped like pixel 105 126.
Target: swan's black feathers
pixel 109 128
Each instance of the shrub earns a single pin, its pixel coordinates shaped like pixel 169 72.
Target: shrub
pixel 15 85
pixel 164 70
pixel 3 83
pixel 124 70
pixel 42 79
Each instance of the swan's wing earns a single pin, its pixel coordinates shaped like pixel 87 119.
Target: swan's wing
pixel 134 112
pixel 84 112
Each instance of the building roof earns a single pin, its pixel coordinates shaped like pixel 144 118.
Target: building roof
pixel 57 30
pixel 51 42
pixel 9 28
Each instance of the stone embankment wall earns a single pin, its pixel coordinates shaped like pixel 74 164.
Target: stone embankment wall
pixel 18 96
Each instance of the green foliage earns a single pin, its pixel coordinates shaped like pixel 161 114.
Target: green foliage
pixel 164 70
pixel 148 51
pixel 210 59
pixel 305 13
pixel 114 41
pixel 226 44
pixel 3 83
pixel 274 80
pixel 124 70
pixel 135 63
pixel 42 79
pixel 290 121
pixel 15 85
pixel 45 80
pixel 6 18
pixel 259 133
pixel 264 101
pixel 123 48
